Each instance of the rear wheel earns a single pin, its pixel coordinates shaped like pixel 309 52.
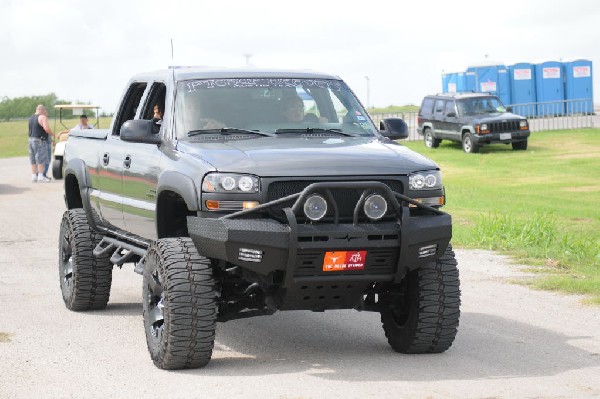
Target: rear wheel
pixel 179 304
pixel 85 280
pixel 519 146
pixel 422 314
pixel 57 168
pixel 468 145
pixel 429 140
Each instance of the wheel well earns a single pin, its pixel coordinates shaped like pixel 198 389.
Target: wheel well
pixel 72 194
pixel 171 213
pixel 465 131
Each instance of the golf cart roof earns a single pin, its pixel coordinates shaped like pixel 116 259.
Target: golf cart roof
pixel 75 106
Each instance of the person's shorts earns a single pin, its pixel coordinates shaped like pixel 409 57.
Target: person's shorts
pixel 38 151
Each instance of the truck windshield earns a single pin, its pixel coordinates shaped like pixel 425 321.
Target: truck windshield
pixel 269 105
pixel 480 105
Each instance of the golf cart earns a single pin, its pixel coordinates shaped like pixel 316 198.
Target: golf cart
pixel 76 110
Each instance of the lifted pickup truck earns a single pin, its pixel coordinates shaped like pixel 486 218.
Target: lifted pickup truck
pixel 256 191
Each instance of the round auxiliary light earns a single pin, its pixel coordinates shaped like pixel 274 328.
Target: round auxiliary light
pixel 245 184
pixel 228 183
pixel 315 207
pixel 375 206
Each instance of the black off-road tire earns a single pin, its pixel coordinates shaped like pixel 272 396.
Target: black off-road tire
pixel 468 145
pixel 426 319
pixel 519 146
pixel 429 140
pixel 85 280
pixel 57 172
pixel 179 302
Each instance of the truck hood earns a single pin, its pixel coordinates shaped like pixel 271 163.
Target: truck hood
pixel 498 117
pixel 309 156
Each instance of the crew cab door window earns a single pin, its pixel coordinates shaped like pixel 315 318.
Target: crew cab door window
pixel 129 105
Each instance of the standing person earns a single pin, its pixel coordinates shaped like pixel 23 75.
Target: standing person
pixel 39 134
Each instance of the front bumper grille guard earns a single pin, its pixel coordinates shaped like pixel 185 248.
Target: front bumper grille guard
pixel 326 187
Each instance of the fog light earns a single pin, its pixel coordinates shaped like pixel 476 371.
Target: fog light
pixel 428 250
pixel 315 207
pixel 375 206
pixel 250 255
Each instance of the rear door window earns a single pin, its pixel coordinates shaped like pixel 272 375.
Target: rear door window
pixel 427 106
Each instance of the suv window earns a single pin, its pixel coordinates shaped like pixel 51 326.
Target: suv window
pixel 439 107
pixel 427 106
pixel 450 107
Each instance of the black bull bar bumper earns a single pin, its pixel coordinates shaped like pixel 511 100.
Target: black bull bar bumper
pixel 265 246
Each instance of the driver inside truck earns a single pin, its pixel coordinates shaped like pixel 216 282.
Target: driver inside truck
pixel 157 117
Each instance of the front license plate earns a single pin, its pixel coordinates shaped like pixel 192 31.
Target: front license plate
pixel 344 260
pixel 505 136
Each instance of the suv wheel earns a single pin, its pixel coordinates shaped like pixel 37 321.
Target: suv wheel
pixel 179 303
pixel 519 146
pixel 430 141
pixel 85 280
pixel 423 316
pixel 468 145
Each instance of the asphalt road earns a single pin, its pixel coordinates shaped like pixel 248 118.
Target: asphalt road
pixel 512 342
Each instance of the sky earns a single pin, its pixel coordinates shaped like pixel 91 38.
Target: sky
pixel 389 52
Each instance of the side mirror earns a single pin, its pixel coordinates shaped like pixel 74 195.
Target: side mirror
pixel 451 114
pixel 139 131
pixel 393 128
pixel 509 109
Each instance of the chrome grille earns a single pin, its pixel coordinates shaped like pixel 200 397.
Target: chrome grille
pixel 502 127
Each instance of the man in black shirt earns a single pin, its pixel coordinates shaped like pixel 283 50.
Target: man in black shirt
pixel 39 132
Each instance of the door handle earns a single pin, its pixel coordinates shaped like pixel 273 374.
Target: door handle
pixel 105 159
pixel 127 162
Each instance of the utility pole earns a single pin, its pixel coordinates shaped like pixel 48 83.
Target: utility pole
pixel 368 92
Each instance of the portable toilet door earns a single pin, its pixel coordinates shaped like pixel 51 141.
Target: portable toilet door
pixel 471 80
pixel 461 82
pixel 503 89
pixel 550 89
pixel 522 89
pixel 445 77
pixel 450 83
pixel 578 87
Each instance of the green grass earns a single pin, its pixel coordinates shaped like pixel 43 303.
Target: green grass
pixel 13 135
pixel 542 206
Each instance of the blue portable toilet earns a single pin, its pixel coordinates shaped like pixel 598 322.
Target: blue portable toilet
pixel 489 79
pixel 454 82
pixel 578 87
pixel 550 88
pixel 522 88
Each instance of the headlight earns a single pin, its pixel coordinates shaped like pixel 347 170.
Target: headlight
pixel 483 126
pixel 523 124
pixel 229 183
pixel 425 180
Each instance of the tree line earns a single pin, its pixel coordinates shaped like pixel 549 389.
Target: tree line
pixel 24 107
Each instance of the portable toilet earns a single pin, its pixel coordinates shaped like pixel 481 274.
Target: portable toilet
pixel 445 77
pixel 454 82
pixel 578 87
pixel 549 88
pixel 489 78
pixel 522 88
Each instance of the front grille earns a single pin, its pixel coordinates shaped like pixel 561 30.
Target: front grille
pixel 502 127
pixel 345 199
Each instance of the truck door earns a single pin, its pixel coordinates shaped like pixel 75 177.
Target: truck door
pixel 112 158
pixel 452 126
pixel 140 173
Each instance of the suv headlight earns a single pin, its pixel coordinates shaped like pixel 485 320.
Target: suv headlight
pixel 523 125
pixel 229 183
pixel 430 180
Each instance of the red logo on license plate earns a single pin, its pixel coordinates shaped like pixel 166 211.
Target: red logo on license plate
pixel 344 260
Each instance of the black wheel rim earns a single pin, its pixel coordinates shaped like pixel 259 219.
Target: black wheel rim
pixel 155 303
pixel 66 264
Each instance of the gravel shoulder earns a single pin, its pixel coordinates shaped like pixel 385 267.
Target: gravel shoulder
pixel 513 342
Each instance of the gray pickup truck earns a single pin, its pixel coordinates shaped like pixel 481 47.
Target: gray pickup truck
pixel 238 193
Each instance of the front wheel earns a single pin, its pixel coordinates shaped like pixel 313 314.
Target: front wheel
pixel 519 146
pixel 179 303
pixel 57 165
pixel 468 145
pixel 85 279
pixel 421 315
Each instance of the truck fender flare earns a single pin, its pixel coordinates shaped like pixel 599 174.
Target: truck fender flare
pixel 181 184
pixel 428 125
pixel 468 128
pixel 76 167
